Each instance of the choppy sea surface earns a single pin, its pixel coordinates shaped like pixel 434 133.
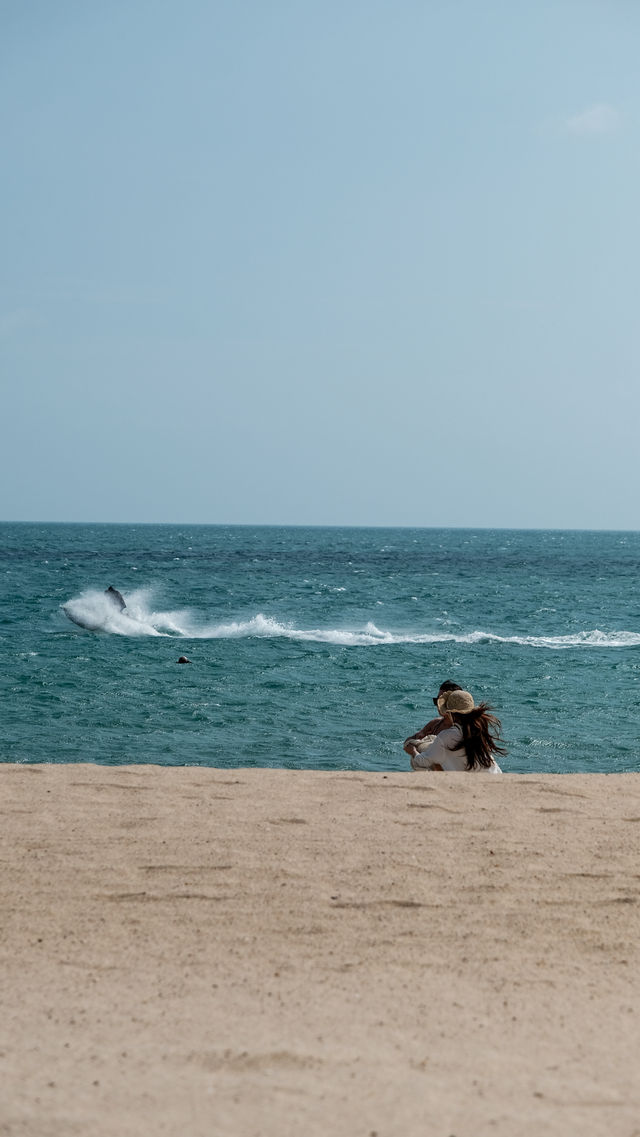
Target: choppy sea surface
pixel 314 647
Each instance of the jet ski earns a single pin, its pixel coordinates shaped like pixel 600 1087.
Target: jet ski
pixel 116 597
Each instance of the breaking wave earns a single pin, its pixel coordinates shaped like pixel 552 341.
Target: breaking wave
pixel 95 612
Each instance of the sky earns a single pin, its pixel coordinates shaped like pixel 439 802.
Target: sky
pixel 324 262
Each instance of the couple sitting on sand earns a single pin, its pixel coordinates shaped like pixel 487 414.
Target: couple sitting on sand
pixel 463 737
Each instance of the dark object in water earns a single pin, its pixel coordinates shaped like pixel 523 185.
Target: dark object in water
pixel 116 597
pixel 183 659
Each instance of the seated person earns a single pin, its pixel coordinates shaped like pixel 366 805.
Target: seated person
pixel 467 741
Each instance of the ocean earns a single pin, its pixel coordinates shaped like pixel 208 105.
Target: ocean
pixel 314 647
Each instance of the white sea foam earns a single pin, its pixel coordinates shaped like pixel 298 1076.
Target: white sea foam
pixel 96 612
pixel 264 626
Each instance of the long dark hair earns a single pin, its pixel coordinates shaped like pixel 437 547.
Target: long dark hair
pixel 480 736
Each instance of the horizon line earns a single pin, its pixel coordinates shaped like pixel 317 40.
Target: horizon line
pixel 335 525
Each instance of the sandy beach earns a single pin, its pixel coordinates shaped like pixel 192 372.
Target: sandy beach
pixel 266 953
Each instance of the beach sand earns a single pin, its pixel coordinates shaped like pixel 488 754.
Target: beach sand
pixel 267 953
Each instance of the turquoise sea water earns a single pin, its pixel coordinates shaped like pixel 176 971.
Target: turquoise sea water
pixel 315 648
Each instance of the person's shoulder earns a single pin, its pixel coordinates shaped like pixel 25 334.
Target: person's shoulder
pixel 454 730
pixel 433 726
pixel 451 735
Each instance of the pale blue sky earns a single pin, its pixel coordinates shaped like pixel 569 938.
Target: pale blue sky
pixel 310 261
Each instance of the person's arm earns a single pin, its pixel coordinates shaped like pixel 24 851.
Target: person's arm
pixel 431 753
pixel 423 759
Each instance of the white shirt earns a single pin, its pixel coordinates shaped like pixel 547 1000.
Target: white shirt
pixel 436 749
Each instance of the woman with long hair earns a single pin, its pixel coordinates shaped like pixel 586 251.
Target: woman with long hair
pixel 469 741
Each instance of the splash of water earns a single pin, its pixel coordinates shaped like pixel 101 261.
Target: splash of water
pixel 95 612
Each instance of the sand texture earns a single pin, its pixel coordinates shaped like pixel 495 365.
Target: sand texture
pixel 266 953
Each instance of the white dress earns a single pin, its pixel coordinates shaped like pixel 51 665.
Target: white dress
pixel 436 749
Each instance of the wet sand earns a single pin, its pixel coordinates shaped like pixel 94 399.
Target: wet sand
pixel 264 953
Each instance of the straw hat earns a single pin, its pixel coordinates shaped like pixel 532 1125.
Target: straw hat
pixel 461 702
